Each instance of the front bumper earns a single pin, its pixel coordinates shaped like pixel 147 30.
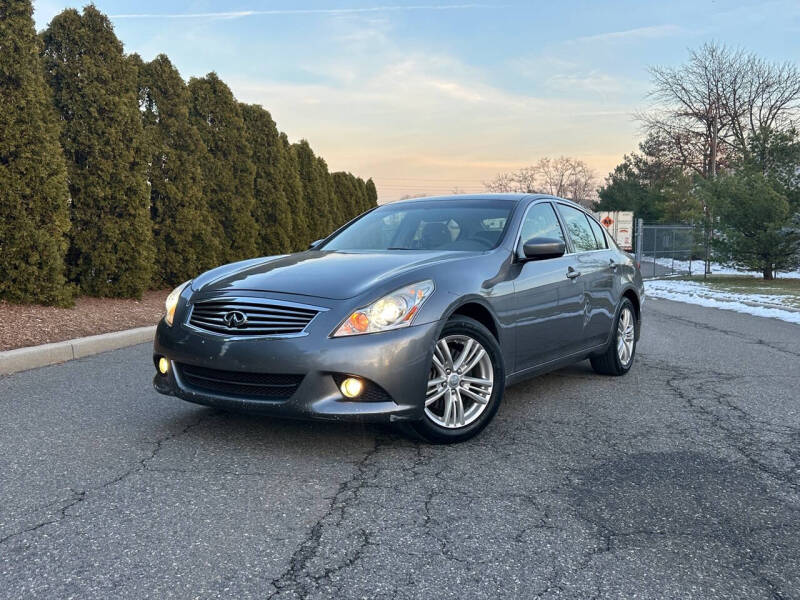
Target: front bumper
pixel 397 361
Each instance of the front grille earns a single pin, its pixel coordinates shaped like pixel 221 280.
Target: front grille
pixel 265 386
pixel 261 317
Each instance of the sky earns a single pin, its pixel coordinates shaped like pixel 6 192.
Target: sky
pixel 431 96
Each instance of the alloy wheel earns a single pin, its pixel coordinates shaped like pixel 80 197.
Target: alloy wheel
pixel 460 383
pixel 625 336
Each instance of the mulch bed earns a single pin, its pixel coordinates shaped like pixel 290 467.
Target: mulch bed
pixel 30 325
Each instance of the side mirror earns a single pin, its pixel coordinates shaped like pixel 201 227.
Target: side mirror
pixel 540 248
pixel 315 243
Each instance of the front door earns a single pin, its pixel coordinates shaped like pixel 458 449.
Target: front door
pixel 549 302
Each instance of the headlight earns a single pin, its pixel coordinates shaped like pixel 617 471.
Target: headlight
pixel 172 302
pixel 390 312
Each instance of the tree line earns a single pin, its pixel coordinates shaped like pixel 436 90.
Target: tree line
pixel 722 151
pixel 117 176
pixel 565 177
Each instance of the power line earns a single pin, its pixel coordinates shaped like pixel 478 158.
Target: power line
pixel 454 180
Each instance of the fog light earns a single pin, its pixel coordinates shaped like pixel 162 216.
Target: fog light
pixel 163 365
pixel 351 387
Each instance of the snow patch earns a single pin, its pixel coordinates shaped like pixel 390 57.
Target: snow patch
pixel 698 266
pixel 692 292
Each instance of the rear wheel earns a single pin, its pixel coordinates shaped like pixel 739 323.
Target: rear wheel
pixel 465 383
pixel 618 357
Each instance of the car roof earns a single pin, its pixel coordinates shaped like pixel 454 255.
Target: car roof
pixel 515 197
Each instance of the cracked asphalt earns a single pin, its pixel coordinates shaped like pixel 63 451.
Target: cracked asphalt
pixel 680 480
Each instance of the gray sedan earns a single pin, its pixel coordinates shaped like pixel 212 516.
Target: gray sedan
pixel 417 313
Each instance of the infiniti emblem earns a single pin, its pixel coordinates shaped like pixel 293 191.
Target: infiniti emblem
pixel 235 319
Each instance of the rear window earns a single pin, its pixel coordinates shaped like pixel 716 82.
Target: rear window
pixel 599 235
pixel 578 228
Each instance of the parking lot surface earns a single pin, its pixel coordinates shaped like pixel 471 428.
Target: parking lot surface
pixel 681 479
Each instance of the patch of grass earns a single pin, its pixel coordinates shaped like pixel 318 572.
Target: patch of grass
pixel 786 291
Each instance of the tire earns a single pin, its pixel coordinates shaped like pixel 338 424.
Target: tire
pixel 474 395
pixel 615 360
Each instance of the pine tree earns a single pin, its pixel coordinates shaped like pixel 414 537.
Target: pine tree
pixel 94 88
pixel 300 235
pixel 332 214
pixel 372 194
pixel 361 202
pixel 34 198
pixel 313 175
pixel 229 170
pixel 272 214
pixel 182 221
pixel 346 192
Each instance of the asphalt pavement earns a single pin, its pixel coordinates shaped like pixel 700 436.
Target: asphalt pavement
pixel 680 480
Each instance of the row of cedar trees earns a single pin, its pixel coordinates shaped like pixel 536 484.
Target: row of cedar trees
pixel 116 176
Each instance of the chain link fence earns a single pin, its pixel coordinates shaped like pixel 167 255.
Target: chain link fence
pixel 663 250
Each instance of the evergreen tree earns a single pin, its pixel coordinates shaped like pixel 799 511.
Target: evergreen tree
pixel 346 192
pixel 653 190
pixel 372 195
pixel 94 88
pixel 272 214
pixel 300 236
pixel 229 170
pixel 34 199
pixel 182 221
pixel 362 200
pixel 776 154
pixel 331 215
pixel 315 191
pixel 757 228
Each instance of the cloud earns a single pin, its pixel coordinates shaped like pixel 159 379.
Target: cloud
pixel 651 32
pixel 406 118
pixel 605 87
pixel 301 11
pixel 418 118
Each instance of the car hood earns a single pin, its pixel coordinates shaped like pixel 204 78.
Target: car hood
pixel 334 275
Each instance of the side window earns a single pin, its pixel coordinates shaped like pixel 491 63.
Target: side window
pixel 541 221
pixel 599 235
pixel 578 228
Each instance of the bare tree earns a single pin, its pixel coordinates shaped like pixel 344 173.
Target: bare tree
pixel 501 184
pixel 522 181
pixel 707 111
pixel 565 177
pixel 582 184
pixel 688 113
pixel 760 97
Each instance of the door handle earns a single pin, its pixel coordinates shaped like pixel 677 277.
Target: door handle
pixel 572 273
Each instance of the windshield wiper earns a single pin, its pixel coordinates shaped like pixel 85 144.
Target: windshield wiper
pixel 399 248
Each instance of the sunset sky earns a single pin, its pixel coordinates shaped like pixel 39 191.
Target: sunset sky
pixel 430 96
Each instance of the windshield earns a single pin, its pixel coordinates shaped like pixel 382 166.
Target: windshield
pixel 448 225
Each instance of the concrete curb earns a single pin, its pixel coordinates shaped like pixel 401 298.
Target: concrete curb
pixel 21 359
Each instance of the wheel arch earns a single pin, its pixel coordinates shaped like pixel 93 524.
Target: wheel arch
pixel 477 310
pixel 630 294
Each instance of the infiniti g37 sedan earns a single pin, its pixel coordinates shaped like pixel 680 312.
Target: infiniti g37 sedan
pixel 418 312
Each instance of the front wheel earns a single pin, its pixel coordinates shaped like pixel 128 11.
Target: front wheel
pixel 466 381
pixel 618 357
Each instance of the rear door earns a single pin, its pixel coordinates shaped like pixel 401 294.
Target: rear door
pixel 602 294
pixel 592 264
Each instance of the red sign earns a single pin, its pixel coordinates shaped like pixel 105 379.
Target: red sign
pixel 607 222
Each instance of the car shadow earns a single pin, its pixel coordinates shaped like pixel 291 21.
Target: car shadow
pixel 212 425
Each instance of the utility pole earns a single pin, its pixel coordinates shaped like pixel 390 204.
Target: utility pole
pixel 712 176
